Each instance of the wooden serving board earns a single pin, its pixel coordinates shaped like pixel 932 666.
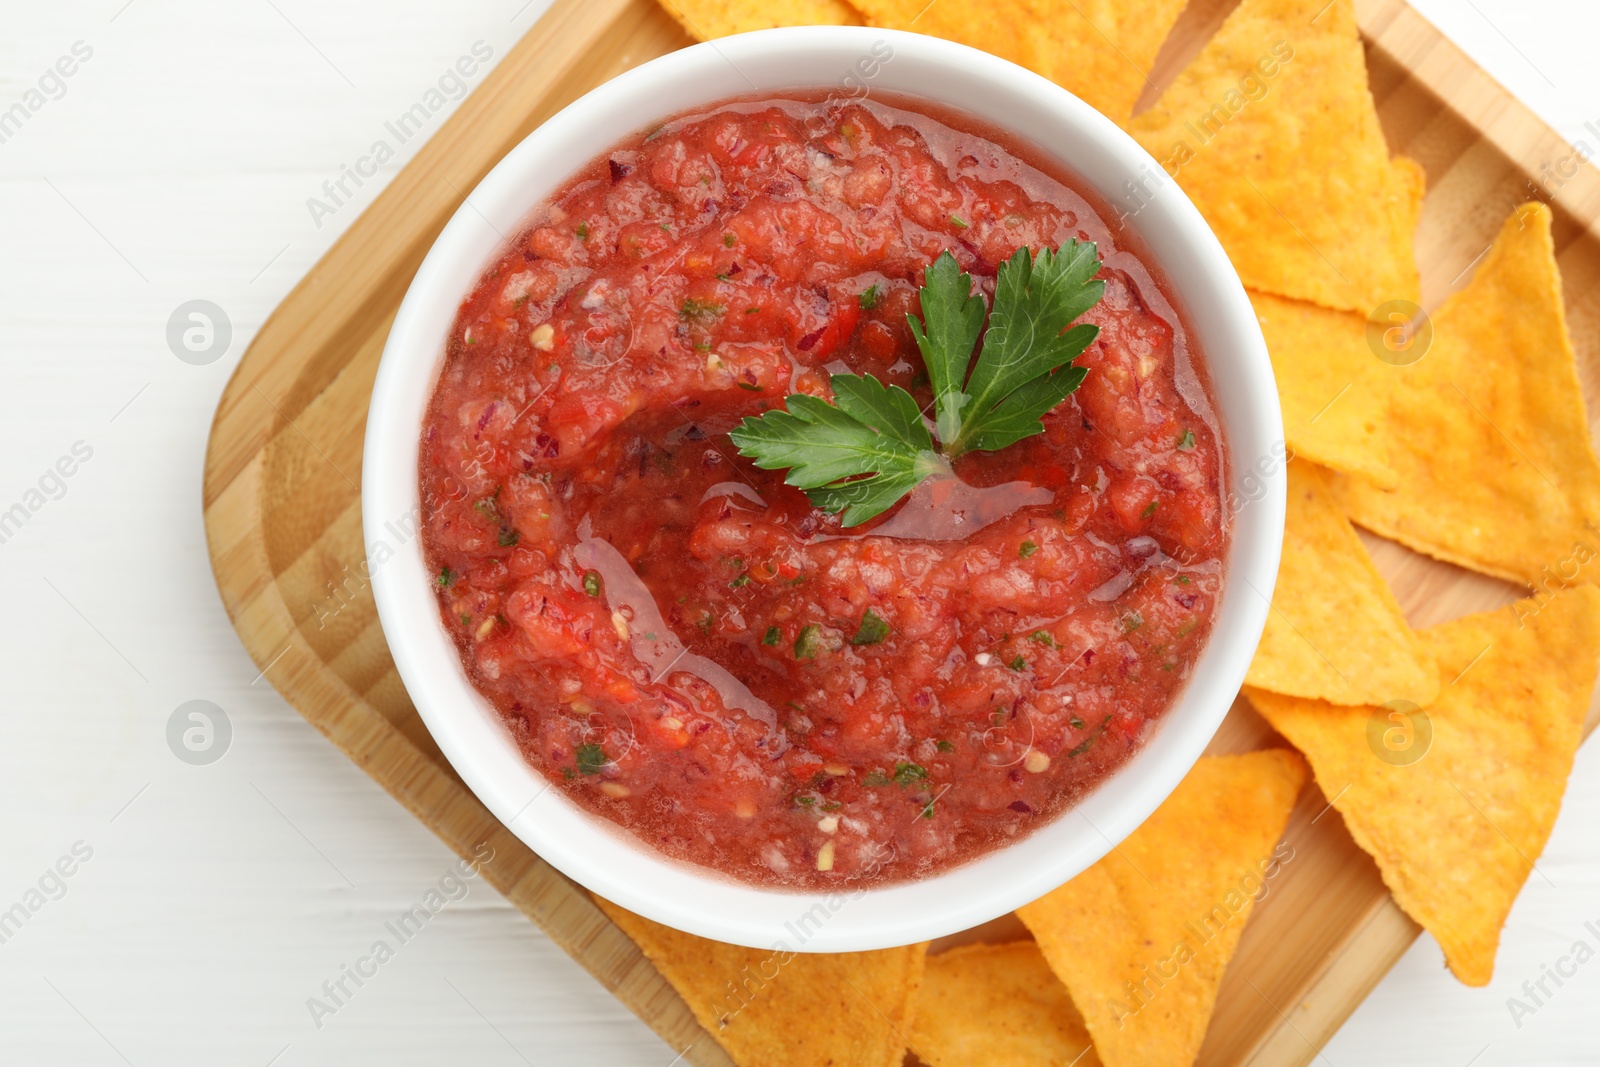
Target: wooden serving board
pixel 283 517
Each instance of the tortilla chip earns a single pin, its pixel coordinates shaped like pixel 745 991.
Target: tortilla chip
pixel 706 19
pixel 1335 632
pixel 1456 831
pixel 1141 938
pixel 1413 178
pixel 774 1008
pixel 1274 135
pixel 997 1006
pixel 1333 391
pixel 1489 436
pixel 1099 50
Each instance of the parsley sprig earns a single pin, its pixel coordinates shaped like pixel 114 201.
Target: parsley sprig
pixel 871 446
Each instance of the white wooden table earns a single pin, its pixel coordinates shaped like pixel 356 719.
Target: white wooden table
pixel 175 164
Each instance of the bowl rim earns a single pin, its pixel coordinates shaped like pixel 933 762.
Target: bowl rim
pixel 601 856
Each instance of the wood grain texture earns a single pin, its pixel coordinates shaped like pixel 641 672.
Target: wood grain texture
pixel 284 526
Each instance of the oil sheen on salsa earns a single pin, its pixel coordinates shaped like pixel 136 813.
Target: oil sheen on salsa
pixel 683 644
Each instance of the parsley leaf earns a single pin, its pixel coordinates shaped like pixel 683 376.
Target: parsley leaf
pixel 700 311
pixel 1016 378
pixel 870 447
pixel 1084 745
pixel 905 773
pixel 590 759
pixel 952 318
pixel 808 642
pixel 859 455
pixel 873 629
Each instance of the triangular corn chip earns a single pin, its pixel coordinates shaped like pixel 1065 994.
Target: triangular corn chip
pixel 1489 436
pixel 1457 806
pixel 1100 50
pixel 1274 135
pixel 1141 938
pixel 706 19
pixel 775 1008
pixel 997 1006
pixel 1333 390
pixel 1335 632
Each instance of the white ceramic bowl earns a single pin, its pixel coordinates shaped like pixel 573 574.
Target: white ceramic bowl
pixel 592 851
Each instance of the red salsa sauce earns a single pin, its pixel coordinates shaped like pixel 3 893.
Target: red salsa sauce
pixel 685 646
